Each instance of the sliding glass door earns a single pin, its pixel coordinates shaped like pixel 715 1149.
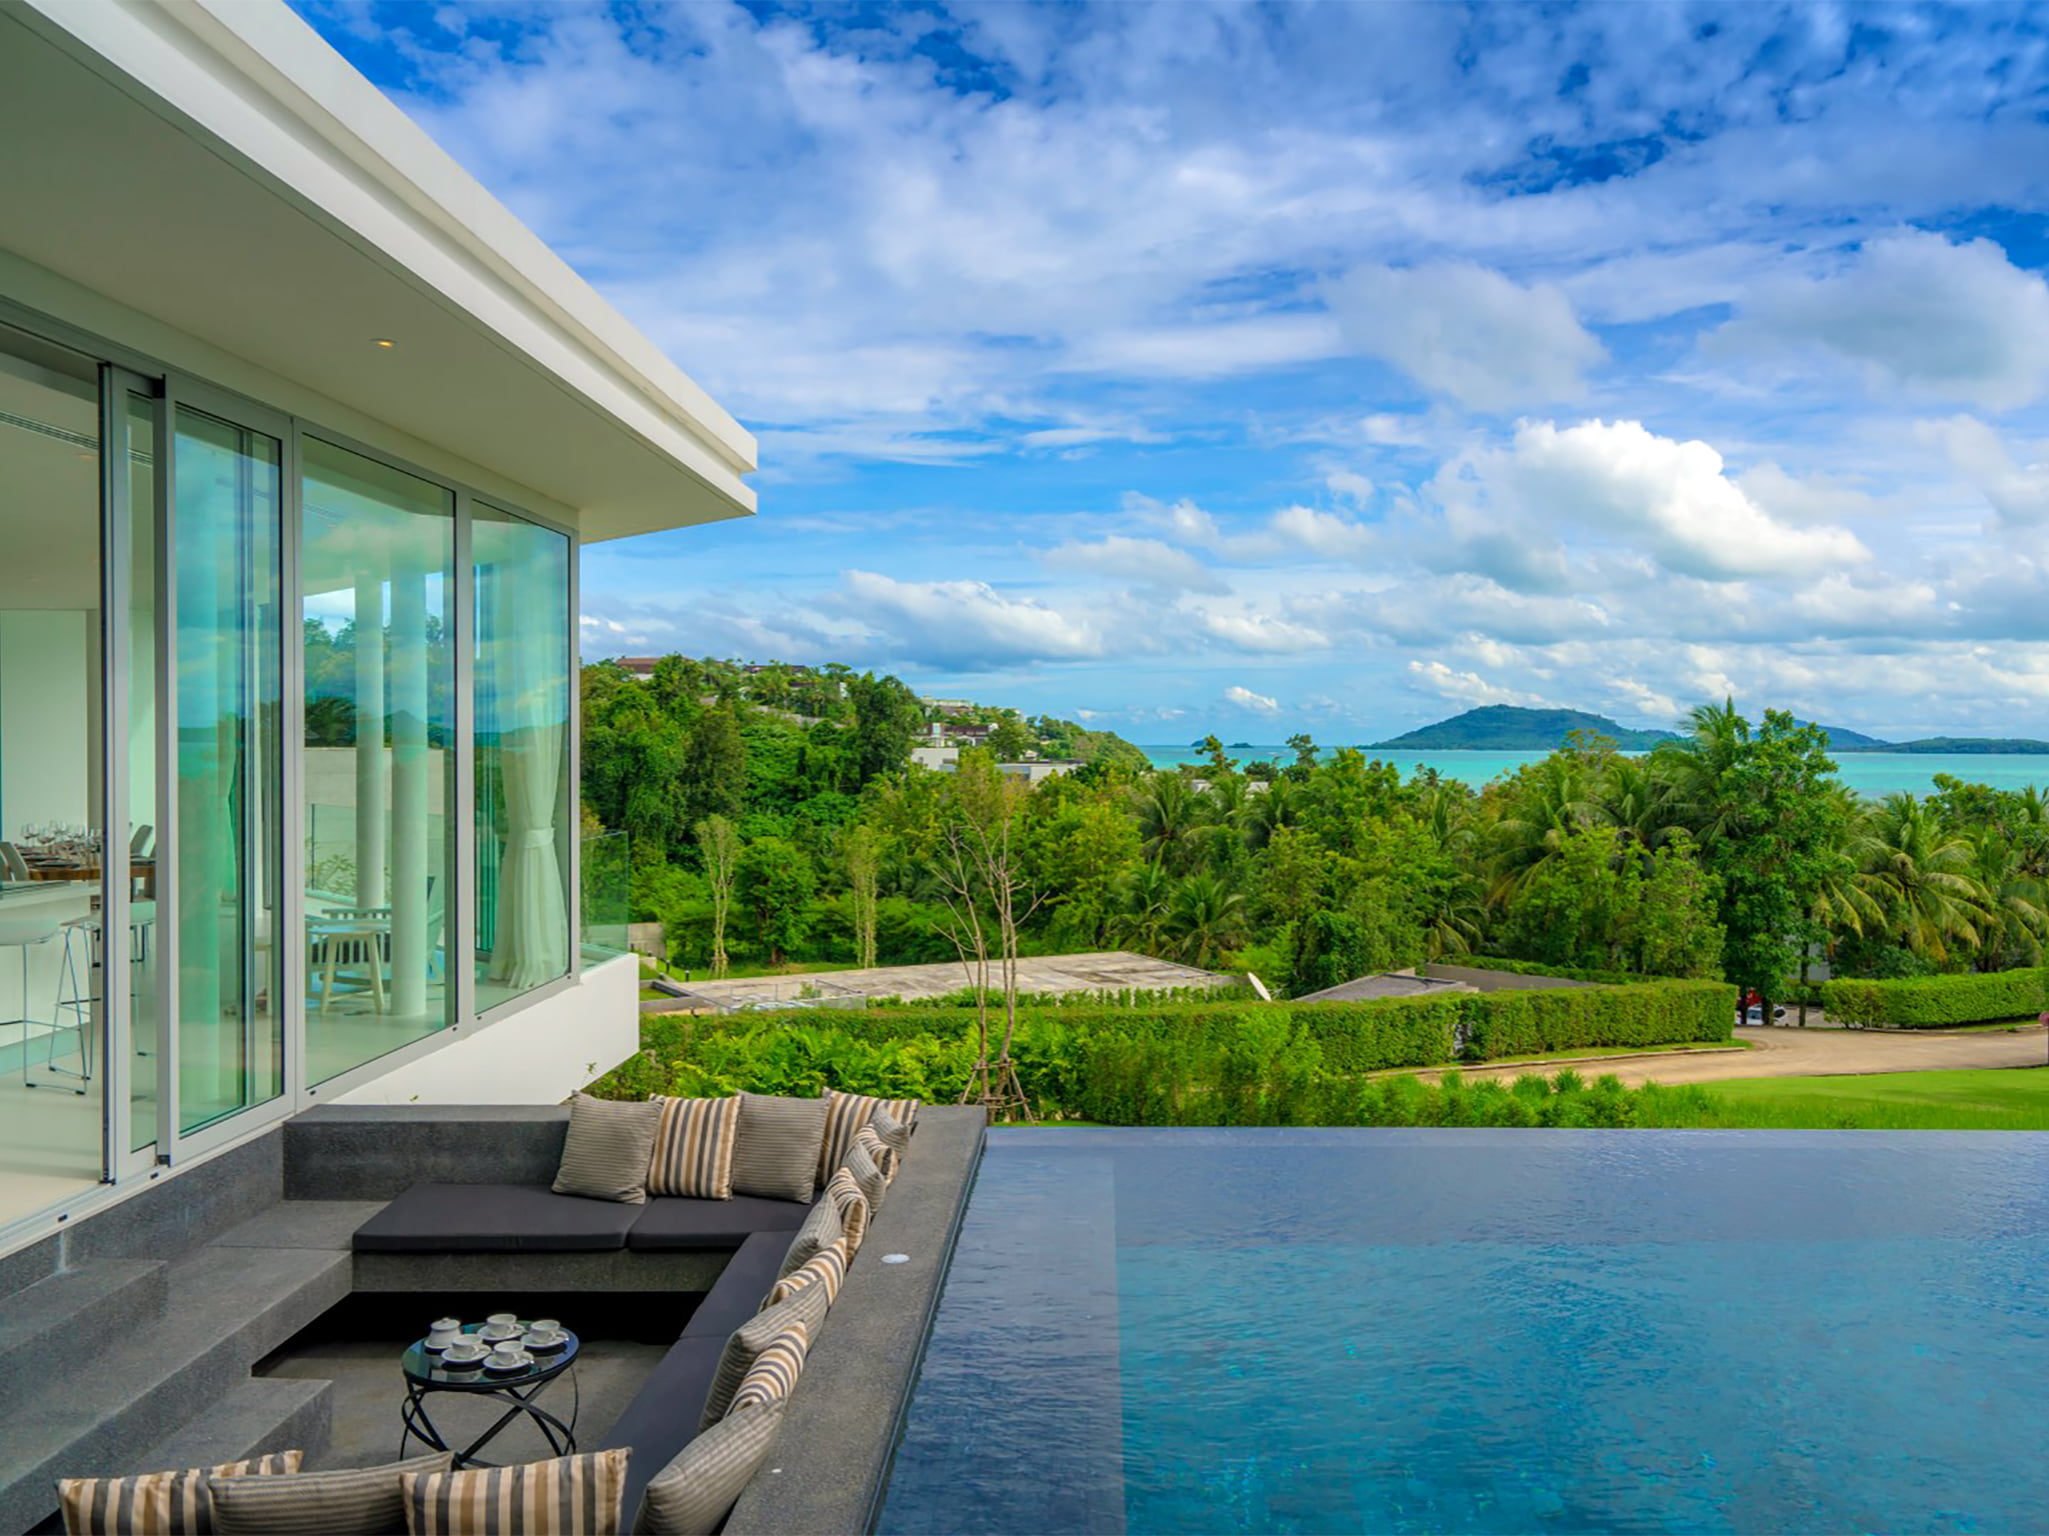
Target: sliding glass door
pixel 522 688
pixel 377 561
pixel 227 649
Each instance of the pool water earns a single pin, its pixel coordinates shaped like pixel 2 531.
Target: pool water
pixel 1489 1331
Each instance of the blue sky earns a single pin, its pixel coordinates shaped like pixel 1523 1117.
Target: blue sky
pixel 1336 367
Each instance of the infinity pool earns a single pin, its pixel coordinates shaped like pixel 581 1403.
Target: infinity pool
pixel 1489 1331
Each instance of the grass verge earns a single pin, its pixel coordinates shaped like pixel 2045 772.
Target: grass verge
pixel 1988 1099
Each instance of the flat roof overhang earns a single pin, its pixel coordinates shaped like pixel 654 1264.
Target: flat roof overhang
pixel 218 167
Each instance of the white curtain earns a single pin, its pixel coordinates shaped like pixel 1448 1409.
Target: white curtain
pixel 527 651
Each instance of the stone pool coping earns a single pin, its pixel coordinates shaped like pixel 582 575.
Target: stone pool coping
pixel 829 1467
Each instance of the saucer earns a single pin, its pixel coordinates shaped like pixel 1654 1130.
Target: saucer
pixel 546 1344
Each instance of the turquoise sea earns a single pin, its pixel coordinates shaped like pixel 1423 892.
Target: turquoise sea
pixel 1869 773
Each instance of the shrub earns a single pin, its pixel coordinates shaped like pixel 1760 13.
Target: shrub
pixel 1931 1002
pixel 1217 1061
pixel 1502 1024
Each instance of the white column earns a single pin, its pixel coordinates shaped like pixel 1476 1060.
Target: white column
pixel 410 769
pixel 371 820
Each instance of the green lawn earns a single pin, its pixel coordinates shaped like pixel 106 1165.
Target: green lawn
pixel 2011 1099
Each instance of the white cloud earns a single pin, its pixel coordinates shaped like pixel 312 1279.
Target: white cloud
pixel 1263 633
pixel 1668 499
pixel 1466 687
pixel 1467 332
pixel 1322 533
pixel 1913 311
pixel 967 623
pixel 1349 485
pixel 2019 493
pixel 1257 703
pixel 1145 562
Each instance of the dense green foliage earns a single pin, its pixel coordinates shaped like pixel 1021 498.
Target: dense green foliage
pixel 1732 852
pixel 1933 1002
pixel 1233 1061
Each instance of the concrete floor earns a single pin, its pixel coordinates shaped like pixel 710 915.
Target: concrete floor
pixel 1103 971
pixel 368 1393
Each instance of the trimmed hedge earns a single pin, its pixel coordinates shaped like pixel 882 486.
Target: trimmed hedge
pixel 1207 1063
pixel 1534 968
pixel 1933 1002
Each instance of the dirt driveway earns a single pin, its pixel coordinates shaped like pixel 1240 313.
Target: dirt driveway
pixel 1786 1052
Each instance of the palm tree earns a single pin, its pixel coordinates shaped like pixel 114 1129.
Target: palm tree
pixel 1142 895
pixel 2017 904
pixel 1636 798
pixel 1204 918
pixel 1550 801
pixel 1922 876
pixel 1168 817
pixel 1694 767
pixel 1265 814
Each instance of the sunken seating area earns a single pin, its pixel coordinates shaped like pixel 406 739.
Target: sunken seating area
pixel 420 1202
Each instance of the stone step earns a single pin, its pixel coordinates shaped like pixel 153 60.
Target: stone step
pixel 53 1329
pixel 224 1308
pixel 258 1416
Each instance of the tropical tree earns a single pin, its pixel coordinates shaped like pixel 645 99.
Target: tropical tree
pixel 719 841
pixel 1204 918
pixel 1923 878
pixel 1169 818
pixel 776 882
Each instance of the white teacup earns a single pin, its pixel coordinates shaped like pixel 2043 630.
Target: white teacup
pixel 509 1359
pixel 464 1352
pixel 507 1319
pixel 545 1325
pixel 498 1333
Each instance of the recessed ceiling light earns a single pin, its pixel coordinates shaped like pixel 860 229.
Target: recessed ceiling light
pixel 384 342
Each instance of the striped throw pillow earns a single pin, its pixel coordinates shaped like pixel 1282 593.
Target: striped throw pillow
pixel 693 1493
pixel 365 1501
pixel 569 1496
pixel 895 1135
pixel 880 1151
pixel 693 1152
pixel 827 1267
pixel 605 1156
pixel 846 1113
pixel 744 1347
pixel 776 1152
pixel 843 1192
pixel 774 1373
pixel 156 1503
pixel 867 1177
pixel 821 1227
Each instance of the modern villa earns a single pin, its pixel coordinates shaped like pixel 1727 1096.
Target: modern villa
pixel 300 434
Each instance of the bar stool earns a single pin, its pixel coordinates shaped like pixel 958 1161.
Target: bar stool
pixel 25 934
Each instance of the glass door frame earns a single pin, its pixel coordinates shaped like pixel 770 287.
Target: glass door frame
pixel 174 1143
pixel 118 386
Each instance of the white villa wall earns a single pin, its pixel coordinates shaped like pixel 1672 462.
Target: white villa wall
pixel 539 1055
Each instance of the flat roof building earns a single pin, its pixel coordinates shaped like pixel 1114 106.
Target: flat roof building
pixel 300 434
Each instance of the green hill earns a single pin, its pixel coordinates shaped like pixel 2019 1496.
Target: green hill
pixel 1982 744
pixel 1510 728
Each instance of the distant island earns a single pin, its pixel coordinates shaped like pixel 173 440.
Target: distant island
pixel 1512 728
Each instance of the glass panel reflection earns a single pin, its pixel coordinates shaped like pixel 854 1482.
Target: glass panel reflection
pixel 378 559
pixel 523 813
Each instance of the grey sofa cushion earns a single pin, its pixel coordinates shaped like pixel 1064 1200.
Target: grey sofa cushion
pixel 776 1153
pixel 821 1227
pixel 672 1224
pixel 363 1501
pixel 696 1491
pixel 736 1295
pixel 807 1307
pixel 494 1218
pixel 607 1152
pixel 159 1503
pixel 663 1415
pixel 693 1148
